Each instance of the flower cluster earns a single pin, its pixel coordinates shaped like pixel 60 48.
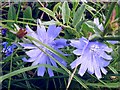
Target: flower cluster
pixel 92 55
pixel 8 50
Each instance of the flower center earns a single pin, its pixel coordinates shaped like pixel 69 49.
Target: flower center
pixel 94 48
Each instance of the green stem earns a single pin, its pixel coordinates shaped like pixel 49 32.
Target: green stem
pixel 111 38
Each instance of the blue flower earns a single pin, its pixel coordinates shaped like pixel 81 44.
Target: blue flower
pixel 4 32
pixel 93 57
pixel 8 50
pixel 48 38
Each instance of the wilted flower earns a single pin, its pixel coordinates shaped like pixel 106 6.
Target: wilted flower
pixel 8 50
pixel 48 38
pixel 93 57
pixel 100 26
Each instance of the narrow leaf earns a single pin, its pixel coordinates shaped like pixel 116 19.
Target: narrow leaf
pixel 27 69
pixel 27 13
pixel 56 7
pixel 65 12
pixel 11 14
pixel 78 15
pixel 48 11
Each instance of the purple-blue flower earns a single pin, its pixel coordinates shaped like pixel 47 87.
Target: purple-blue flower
pixel 4 32
pixel 48 38
pixel 92 57
pixel 8 50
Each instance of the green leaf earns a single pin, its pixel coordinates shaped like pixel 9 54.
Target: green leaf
pixel 65 12
pixel 75 4
pixel 93 25
pixel 78 15
pixel 27 13
pixel 88 7
pixel 109 85
pixel 29 68
pixel 48 11
pixel 113 69
pixel 56 7
pixel 11 14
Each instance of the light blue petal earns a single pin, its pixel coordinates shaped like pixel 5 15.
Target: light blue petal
pixel 60 43
pixel 101 27
pixel 90 65
pixel 41 71
pixel 53 31
pixel 103 62
pixel 103 70
pixel 77 52
pixel 31 33
pixel 33 52
pixel 28 46
pixel 96 21
pixel 76 62
pixel 41 31
pixel 41 59
pixel 59 59
pixel 50 71
pixel 28 60
pixel 53 62
pixel 113 42
pixel 104 47
pixel 75 43
pixel 105 56
pixel 80 44
pixel 96 67
pixel 83 68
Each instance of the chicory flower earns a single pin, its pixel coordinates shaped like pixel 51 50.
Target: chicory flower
pixel 93 57
pixel 48 38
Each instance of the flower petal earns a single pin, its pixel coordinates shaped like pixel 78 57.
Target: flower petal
pixel 77 52
pixel 103 62
pixel 41 59
pixel 105 56
pixel 41 71
pixel 83 69
pixel 103 70
pixel 28 46
pixel 50 71
pixel 53 62
pixel 33 52
pixel 28 60
pixel 90 65
pixel 30 32
pixel 76 62
pixel 80 44
pixel 96 21
pixel 53 31
pixel 96 67
pixel 101 27
pixel 59 59
pixel 41 31
pixel 76 43
pixel 60 43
